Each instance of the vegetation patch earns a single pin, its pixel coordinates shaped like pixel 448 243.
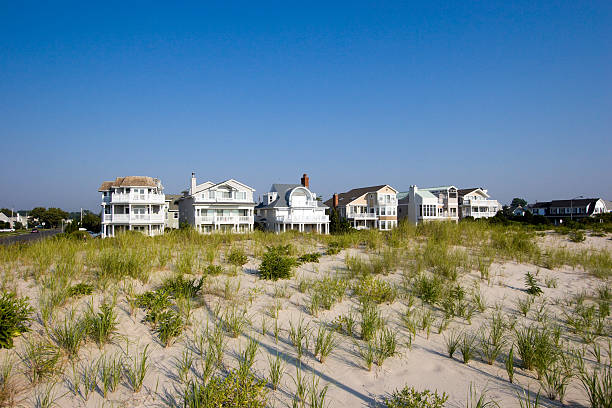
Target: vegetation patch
pixel 14 318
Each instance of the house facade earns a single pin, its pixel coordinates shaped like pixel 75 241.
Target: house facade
pixel 172 211
pixel 292 207
pixel 372 207
pixel 218 207
pixel 476 202
pixel 428 204
pixel 559 211
pixel 133 203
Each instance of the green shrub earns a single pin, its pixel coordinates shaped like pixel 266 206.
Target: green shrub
pixel 276 263
pixel 169 326
pixel 154 302
pixel 237 257
pixel 411 398
pixel 14 318
pixel 234 391
pixel 532 285
pixel 179 287
pixel 576 236
pixel 80 289
pixel 376 290
pixel 334 248
pixel 313 257
pixel 213 270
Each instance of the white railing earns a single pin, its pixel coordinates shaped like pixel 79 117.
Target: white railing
pixel 225 219
pixel 139 198
pixel 483 203
pixel 362 216
pixel 134 218
pixel 302 218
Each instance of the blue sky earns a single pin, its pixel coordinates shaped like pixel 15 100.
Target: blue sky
pixel 512 96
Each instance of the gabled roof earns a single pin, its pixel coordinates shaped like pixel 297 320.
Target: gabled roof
pixel 579 202
pixel 173 200
pixel 283 190
pixel 352 195
pixel 209 184
pixel 130 181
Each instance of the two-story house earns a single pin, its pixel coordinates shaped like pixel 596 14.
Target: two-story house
pixel 559 211
pixel 428 204
pixel 172 211
pixel 218 207
pixel 476 202
pixel 292 207
pixel 367 207
pixel 134 203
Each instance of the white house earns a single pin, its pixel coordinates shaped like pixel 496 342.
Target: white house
pixel 134 203
pixel 428 204
pixel 292 207
pixel 226 206
pixel 367 207
pixel 476 202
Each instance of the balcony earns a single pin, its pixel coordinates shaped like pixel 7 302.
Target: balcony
pixel 138 198
pixel 134 218
pixel 302 219
pixel 362 216
pixel 223 219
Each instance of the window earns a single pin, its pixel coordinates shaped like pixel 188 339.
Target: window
pixel 175 215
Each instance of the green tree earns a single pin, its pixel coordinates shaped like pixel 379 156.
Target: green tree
pixel 92 222
pixel 53 217
pixel 338 225
pixel 38 212
pixel 6 212
pixel 516 201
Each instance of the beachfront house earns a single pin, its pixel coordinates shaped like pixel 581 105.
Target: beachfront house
pixel 372 207
pixel 428 204
pixel 292 207
pixel 172 211
pixel 218 207
pixel 559 211
pixel 476 203
pixel 133 203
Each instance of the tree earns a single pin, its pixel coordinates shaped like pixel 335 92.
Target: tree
pixel 338 225
pixel 6 212
pixel 53 217
pixel 92 222
pixel 38 212
pixel 516 201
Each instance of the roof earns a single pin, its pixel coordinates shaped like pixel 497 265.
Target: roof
pixel 437 188
pixel 282 200
pixel 209 184
pixel 130 181
pixel 173 201
pixel 579 202
pixel 351 195
pixel 403 196
pixel 608 204
pixel 464 191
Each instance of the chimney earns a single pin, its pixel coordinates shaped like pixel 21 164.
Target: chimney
pixel 305 180
pixel 193 183
pixel 335 201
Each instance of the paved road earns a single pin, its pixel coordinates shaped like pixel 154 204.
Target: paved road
pixel 28 237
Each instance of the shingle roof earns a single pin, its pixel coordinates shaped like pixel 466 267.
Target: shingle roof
pixel 130 181
pixel 346 198
pixel 173 201
pixel 580 202
pixel 464 191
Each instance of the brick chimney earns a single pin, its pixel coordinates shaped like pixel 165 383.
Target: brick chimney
pixel 305 180
pixel 335 201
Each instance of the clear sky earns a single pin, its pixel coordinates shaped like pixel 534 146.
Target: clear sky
pixel 514 96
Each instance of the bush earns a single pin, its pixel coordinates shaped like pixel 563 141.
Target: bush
pixel 236 390
pixel 375 290
pixel 14 318
pixel 576 236
pixel 213 270
pixel 80 289
pixel 411 398
pixel 179 287
pixel 276 263
pixel 237 257
pixel 313 257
